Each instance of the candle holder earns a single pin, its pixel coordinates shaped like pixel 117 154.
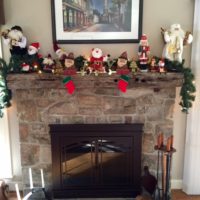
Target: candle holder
pixel 165 153
pixel 33 189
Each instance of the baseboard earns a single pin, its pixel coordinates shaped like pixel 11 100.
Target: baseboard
pixel 176 183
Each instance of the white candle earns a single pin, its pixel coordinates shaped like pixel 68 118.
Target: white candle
pixel 30 178
pixel 42 178
pixel 17 191
pixel 27 196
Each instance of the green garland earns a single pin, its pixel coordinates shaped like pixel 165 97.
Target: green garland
pixel 188 87
pixel 5 93
pixel 186 93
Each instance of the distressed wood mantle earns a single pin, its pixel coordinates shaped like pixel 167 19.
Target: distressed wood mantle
pixel 150 80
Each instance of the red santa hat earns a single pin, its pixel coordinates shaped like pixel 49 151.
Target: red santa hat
pixel 124 55
pixel 143 37
pixel 56 47
pixel 35 45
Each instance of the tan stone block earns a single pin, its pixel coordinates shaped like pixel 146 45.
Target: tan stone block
pixel 44 102
pixel 23 132
pixel 62 108
pixel 138 118
pixel 90 119
pixel 149 160
pixel 113 105
pixel 45 154
pixel 148 143
pixel 169 109
pixel 90 111
pixel 115 119
pixel 154 113
pixel 107 91
pixel 40 138
pixel 128 119
pixel 27 110
pixel 89 100
pixel 72 120
pixel 165 128
pixel 30 154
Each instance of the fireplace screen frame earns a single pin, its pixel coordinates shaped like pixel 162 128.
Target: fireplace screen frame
pixel 129 135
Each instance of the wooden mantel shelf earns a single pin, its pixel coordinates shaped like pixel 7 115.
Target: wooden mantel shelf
pixel 153 80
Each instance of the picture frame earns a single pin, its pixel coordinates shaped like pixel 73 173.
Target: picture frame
pixel 96 21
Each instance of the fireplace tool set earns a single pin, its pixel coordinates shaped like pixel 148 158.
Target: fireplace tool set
pixel 165 153
pixel 33 190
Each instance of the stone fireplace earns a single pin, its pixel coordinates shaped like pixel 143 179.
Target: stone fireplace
pixel 43 100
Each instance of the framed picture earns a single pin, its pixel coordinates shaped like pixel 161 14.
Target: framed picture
pixel 97 21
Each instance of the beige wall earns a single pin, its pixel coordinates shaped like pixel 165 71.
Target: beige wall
pixel 34 16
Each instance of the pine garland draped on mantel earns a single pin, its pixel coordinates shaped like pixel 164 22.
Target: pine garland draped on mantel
pixel 187 89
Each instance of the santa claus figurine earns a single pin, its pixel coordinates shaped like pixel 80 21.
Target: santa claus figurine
pixel 48 64
pixel 161 65
pixel 16 40
pixel 25 67
pixel 175 38
pixel 33 48
pixel 59 52
pixel 143 53
pixel 97 60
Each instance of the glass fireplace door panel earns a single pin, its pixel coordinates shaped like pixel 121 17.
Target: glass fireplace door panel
pixel 78 161
pixel 115 160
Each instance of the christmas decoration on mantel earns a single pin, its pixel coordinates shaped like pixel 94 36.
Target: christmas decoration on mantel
pixel 28 60
pixel 5 93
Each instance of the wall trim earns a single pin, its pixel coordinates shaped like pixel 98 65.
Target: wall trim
pixel 176 183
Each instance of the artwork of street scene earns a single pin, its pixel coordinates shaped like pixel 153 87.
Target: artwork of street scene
pixel 97 15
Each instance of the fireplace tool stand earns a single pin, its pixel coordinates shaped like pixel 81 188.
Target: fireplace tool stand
pixel 164 164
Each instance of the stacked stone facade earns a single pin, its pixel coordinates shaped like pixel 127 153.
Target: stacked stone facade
pixel 43 100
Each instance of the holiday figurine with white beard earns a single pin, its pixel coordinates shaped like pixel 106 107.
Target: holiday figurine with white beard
pixel 16 40
pixel 33 58
pixel 175 39
pixel 33 48
pixel 48 64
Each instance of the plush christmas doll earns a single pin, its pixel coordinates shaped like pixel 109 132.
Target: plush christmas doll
pixel 69 70
pixel 161 65
pixel 175 38
pixel 33 48
pixel 16 40
pixel 33 58
pixel 143 53
pixel 48 64
pixel 97 60
pixel 59 52
pixel 153 65
pixel 123 70
pixel 122 64
pixel 69 65
pixel 25 67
